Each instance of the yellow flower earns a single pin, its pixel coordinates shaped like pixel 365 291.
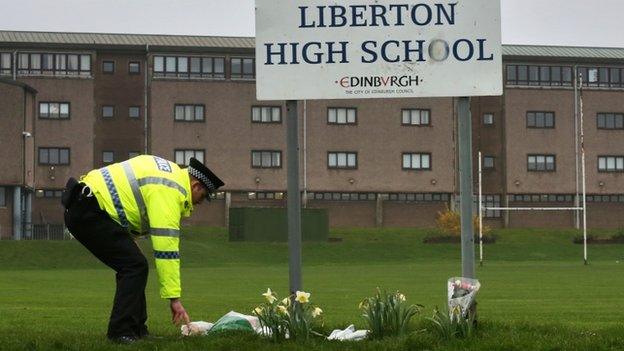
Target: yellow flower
pixel 401 297
pixel 270 296
pixel 286 301
pixel 316 312
pixel 282 310
pixel 363 304
pixel 258 310
pixel 302 297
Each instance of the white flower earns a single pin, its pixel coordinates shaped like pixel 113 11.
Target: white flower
pixel 286 301
pixel 282 310
pixel 302 297
pixel 458 283
pixel 258 310
pixel 270 296
pixel 401 297
pixel 316 312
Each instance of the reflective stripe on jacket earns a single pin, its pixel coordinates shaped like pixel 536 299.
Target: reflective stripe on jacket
pixel 148 195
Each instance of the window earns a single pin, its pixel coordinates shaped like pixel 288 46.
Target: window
pixel 132 154
pixel 539 75
pixel 6 63
pixel 189 113
pixel 488 162
pixel 53 64
pixel 340 196
pixel 341 115
pixel 266 114
pixel 266 159
pixel 611 163
pixel 134 67
pixel 108 67
pixel 2 197
pixel 54 110
pixel 541 163
pixel 538 119
pixel 610 120
pixel 417 161
pixel 265 195
pixel 418 197
pixel 53 156
pixel 488 119
pixel 108 156
pixel 541 198
pixel 49 193
pixel 243 68
pixel 342 160
pixel 108 111
pixel 183 157
pixel 189 67
pixel 416 117
pixel 605 198
pixel 134 111
pixel 491 201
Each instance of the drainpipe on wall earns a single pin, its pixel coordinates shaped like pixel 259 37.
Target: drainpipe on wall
pixel 15 65
pixel 17 213
pixel 305 154
pixel 145 86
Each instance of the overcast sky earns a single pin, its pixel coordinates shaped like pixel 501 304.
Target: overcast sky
pixel 540 22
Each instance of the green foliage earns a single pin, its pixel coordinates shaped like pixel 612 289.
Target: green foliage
pixel 387 314
pixel 449 325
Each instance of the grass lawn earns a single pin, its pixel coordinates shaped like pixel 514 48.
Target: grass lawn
pixel 536 293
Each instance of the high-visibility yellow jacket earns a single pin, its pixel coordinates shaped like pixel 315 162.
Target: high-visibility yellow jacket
pixel 148 195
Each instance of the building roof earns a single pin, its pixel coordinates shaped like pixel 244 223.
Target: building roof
pixel 248 43
pixel 124 40
pixel 563 52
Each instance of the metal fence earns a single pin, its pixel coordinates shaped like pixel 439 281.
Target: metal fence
pixel 46 231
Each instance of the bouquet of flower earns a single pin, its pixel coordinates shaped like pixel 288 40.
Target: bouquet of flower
pixel 461 294
pixel 293 317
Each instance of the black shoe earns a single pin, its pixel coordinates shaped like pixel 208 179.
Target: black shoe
pixel 124 339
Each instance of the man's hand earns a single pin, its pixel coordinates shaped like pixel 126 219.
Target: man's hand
pixel 178 313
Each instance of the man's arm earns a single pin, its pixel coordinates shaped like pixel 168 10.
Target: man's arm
pixel 164 214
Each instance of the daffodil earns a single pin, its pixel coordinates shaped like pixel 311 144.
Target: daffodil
pixel 302 297
pixel 401 297
pixel 282 310
pixel 363 304
pixel 270 296
pixel 286 301
pixel 258 310
pixel 316 312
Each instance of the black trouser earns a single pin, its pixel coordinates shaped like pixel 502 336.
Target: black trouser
pixel 112 245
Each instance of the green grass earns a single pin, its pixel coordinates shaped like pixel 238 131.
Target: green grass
pixel 536 293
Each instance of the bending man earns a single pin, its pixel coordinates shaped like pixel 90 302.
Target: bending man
pixel 112 206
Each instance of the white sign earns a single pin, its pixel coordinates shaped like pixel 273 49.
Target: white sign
pixel 352 49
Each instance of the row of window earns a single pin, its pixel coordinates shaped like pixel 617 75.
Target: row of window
pixel 541 75
pixel 335 160
pixel 63 64
pixel 51 64
pixel 272 114
pixel 203 67
pixel 563 198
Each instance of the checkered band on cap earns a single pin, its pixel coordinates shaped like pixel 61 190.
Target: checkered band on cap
pixel 202 178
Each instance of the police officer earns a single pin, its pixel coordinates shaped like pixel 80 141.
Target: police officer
pixel 111 206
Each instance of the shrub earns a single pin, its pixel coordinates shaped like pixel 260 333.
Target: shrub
pixel 388 314
pixel 449 223
pixel 450 325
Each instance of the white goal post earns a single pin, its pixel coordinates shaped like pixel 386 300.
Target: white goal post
pixel 582 208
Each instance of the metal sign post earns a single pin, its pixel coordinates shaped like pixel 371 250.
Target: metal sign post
pixel 293 198
pixel 465 186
